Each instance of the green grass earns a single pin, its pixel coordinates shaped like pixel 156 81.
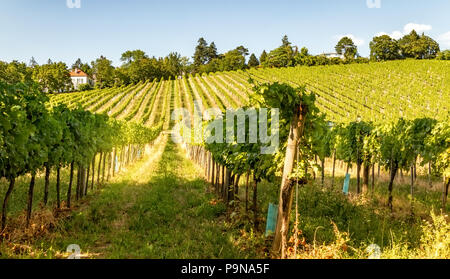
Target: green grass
pixel 367 219
pixel 160 210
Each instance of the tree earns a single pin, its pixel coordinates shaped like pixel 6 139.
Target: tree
pixel 233 60
pixel 121 77
pixel 430 47
pixel 173 65
pixel 303 57
pixel 33 62
pixel 242 50
pixel 145 69
pixel 285 41
pixel 443 55
pixel 253 61
pixel 384 48
pixel 304 52
pixel 409 45
pixel 138 67
pixel 263 57
pixel 103 71
pixel 419 47
pixel 15 72
pixel 82 66
pixel 202 52
pixel 282 56
pixel 131 56
pixel 53 77
pixel 346 47
pixel 77 64
pixel 279 57
pixel 212 52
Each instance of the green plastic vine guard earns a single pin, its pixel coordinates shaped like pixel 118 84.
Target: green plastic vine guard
pixel 272 216
pixel 346 184
pixel 117 164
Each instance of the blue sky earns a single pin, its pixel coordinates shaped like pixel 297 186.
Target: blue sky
pixel 49 29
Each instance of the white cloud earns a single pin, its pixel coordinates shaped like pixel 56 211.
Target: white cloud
pixel 358 41
pixel 381 34
pixel 420 28
pixel 415 26
pixel 395 35
pixel 445 39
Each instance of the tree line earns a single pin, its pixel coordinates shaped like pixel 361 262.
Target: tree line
pixel 54 77
pixel 412 45
pixel 137 66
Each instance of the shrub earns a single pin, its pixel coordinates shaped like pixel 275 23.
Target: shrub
pixel 444 55
pixel 85 87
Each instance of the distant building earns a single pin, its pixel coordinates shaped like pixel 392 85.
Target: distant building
pixel 79 77
pixel 333 55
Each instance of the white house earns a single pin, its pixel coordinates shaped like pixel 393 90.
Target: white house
pixel 333 55
pixel 79 77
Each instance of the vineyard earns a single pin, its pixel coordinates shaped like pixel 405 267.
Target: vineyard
pixel 378 92
pixel 383 127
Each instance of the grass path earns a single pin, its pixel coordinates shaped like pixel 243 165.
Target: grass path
pixel 158 209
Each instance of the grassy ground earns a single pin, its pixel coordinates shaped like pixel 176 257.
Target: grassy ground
pixel 366 219
pixel 159 209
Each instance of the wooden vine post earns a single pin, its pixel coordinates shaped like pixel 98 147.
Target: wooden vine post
pixel 446 186
pixel 279 247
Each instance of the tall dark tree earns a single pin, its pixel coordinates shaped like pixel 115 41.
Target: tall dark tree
pixel 33 62
pixel 253 61
pixel 244 51
pixel 263 57
pixel 77 64
pixel 82 66
pixel 285 41
pixel 202 51
pixel 212 52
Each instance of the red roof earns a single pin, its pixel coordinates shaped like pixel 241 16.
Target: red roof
pixel 78 73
